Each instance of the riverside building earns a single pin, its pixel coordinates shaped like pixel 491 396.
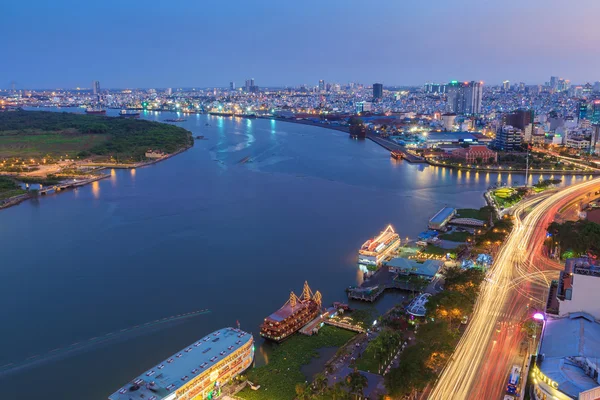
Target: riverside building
pixel 196 372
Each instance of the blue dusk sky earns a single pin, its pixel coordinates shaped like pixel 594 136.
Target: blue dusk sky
pixel 130 43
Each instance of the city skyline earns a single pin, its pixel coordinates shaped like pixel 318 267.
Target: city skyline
pixel 148 45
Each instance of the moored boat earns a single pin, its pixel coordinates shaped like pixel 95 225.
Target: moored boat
pixel 295 313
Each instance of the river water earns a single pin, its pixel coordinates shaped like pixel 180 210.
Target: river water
pixel 200 230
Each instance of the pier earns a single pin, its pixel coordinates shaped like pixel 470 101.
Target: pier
pixel 391 146
pixel 371 289
pixel 67 185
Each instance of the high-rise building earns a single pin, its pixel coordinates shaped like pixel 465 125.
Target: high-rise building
pixel 595 117
pixel 508 138
pixel 519 118
pixel 169 91
pixel 363 106
pixel 506 86
pixel 250 87
pixel 582 110
pixel 553 82
pixel 377 91
pixel 473 97
pixel 96 87
pixel 464 98
pixel 232 85
pixel 521 87
pixel 321 85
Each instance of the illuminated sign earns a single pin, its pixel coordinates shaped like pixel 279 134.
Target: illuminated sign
pixel 214 375
pixel 539 375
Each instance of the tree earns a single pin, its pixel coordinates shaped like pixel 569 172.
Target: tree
pixel 320 382
pixel 357 382
pixel 338 392
pixel 303 391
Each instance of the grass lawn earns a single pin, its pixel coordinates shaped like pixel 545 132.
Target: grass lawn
pixel 483 214
pixel 368 361
pixel 456 236
pixel 8 188
pixel 436 251
pixel 279 377
pixel 506 197
pixel 53 144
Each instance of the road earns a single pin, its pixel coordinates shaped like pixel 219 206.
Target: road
pixel 516 284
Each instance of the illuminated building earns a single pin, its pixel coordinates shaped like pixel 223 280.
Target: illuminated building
pixel 196 372
pixel 596 111
pixel 567 364
pixel 375 251
pixel 464 98
pixel 295 313
pixel 441 218
pixel 506 86
pixel 578 287
pixel 508 138
pixel 363 106
pixel 321 85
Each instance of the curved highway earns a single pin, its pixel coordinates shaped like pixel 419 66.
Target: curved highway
pixel 516 284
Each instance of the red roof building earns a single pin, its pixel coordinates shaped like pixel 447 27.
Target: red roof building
pixel 472 153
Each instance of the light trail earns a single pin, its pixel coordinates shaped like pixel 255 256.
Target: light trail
pixel 79 347
pixel 519 278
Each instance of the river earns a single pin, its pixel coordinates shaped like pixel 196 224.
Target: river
pixel 199 230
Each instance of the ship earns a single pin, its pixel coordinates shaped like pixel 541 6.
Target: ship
pixel 129 114
pixel 397 154
pixel 199 371
pixel 374 251
pixel 295 313
pixel 96 111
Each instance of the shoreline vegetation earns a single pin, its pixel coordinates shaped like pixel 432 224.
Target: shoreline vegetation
pixel 60 150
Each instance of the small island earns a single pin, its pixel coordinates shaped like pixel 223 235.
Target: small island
pixel 66 149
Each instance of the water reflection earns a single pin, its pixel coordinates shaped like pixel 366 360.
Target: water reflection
pixel 96 189
pixel 132 173
pixel 113 177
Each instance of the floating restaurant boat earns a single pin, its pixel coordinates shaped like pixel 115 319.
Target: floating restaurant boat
pixel 398 155
pixel 374 251
pixel 295 313
pixel 197 372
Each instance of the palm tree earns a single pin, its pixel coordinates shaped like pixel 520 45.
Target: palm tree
pixel 320 382
pixel 303 391
pixel 357 382
pixel 337 391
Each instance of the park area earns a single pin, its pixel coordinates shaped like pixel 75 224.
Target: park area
pixel 51 136
pixel 278 378
pixel 9 188
pixel 507 197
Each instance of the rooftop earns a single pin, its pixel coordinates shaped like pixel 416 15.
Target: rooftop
pixel 453 136
pixel 425 268
pixel 566 343
pixel 287 310
pixel 442 215
pixel 171 374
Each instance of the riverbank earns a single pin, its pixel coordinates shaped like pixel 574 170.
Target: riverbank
pixel 15 200
pixel 64 184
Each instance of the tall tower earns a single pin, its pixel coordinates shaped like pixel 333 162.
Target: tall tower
pixel 96 87
pixel 377 91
